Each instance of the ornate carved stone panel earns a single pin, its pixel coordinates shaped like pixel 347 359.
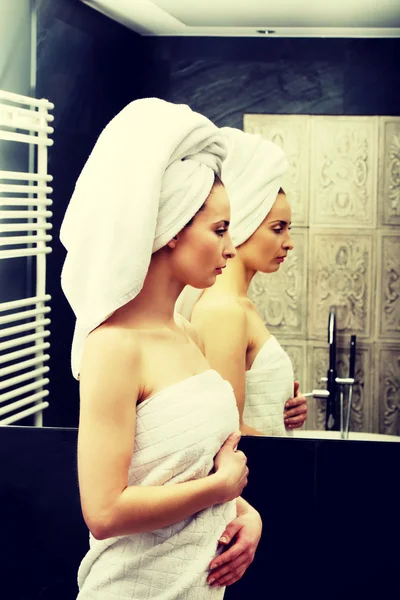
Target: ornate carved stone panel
pixel 343 171
pixel 291 132
pixel 348 263
pixel 388 393
pixel 388 306
pixel 280 297
pixel 341 274
pixel 361 408
pixel 389 192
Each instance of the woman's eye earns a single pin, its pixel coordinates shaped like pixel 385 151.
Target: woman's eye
pixel 277 230
pixel 220 232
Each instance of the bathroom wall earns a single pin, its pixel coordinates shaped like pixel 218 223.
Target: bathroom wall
pixel 227 77
pixel 15 76
pixel 89 67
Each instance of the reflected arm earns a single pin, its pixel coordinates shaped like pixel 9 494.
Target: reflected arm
pixel 222 328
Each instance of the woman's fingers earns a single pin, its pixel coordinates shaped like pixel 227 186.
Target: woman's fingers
pixel 299 400
pixel 294 425
pixel 229 572
pixel 295 416
pixel 301 414
pixel 297 411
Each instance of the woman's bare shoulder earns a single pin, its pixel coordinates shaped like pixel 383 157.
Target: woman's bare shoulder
pixel 230 306
pixel 111 354
pixel 221 317
pixel 190 329
pixel 111 338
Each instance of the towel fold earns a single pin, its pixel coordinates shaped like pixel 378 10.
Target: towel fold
pixel 150 171
pixel 252 175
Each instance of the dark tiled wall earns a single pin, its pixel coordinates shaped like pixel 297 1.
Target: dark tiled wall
pixel 15 62
pixel 225 78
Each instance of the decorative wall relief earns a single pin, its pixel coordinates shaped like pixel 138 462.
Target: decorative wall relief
pixel 341 275
pixel 389 278
pixel 389 189
pixel 389 390
pixel 280 297
pixel 343 171
pixel 361 417
pixel 290 132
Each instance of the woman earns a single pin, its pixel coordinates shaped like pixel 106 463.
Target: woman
pixel 159 475
pixel 236 342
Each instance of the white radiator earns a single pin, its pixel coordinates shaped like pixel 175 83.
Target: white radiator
pixel 24 322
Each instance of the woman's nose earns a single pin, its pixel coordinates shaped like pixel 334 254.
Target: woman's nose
pixel 229 250
pixel 289 244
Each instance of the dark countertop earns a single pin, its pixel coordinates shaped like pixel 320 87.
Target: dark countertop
pixel 329 508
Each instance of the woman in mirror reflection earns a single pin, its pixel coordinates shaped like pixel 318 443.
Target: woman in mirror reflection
pixel 160 476
pixel 235 340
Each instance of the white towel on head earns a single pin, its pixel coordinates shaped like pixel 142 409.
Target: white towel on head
pixel 252 175
pixel 150 171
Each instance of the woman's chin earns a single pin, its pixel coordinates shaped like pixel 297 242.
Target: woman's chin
pixel 205 283
pixel 210 281
pixel 270 268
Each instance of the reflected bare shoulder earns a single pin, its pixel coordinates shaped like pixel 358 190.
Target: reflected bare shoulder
pixel 190 329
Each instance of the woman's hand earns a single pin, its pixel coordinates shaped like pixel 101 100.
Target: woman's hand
pixel 231 468
pixel 243 533
pixel 295 409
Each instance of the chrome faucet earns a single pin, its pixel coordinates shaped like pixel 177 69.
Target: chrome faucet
pixel 334 419
pixel 331 420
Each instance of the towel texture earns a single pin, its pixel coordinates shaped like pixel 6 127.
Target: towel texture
pixel 150 171
pixel 269 384
pixel 252 175
pixel 178 433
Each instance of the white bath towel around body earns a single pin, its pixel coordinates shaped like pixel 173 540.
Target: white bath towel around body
pixel 178 433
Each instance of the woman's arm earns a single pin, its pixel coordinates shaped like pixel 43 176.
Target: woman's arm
pixel 296 409
pixel 239 542
pixel 222 328
pixel 109 386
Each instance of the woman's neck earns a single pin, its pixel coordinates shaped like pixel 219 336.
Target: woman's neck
pixel 235 278
pixel 154 306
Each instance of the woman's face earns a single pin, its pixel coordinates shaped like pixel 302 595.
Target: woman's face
pixel 204 246
pixel 269 245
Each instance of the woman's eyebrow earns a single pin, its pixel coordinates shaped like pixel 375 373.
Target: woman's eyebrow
pixel 280 221
pixel 226 223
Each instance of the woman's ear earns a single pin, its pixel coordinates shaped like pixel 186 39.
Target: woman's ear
pixel 172 243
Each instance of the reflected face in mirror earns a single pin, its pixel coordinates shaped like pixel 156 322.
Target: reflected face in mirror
pixel 204 245
pixel 269 245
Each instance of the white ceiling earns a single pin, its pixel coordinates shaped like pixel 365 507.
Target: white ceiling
pixel 282 18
